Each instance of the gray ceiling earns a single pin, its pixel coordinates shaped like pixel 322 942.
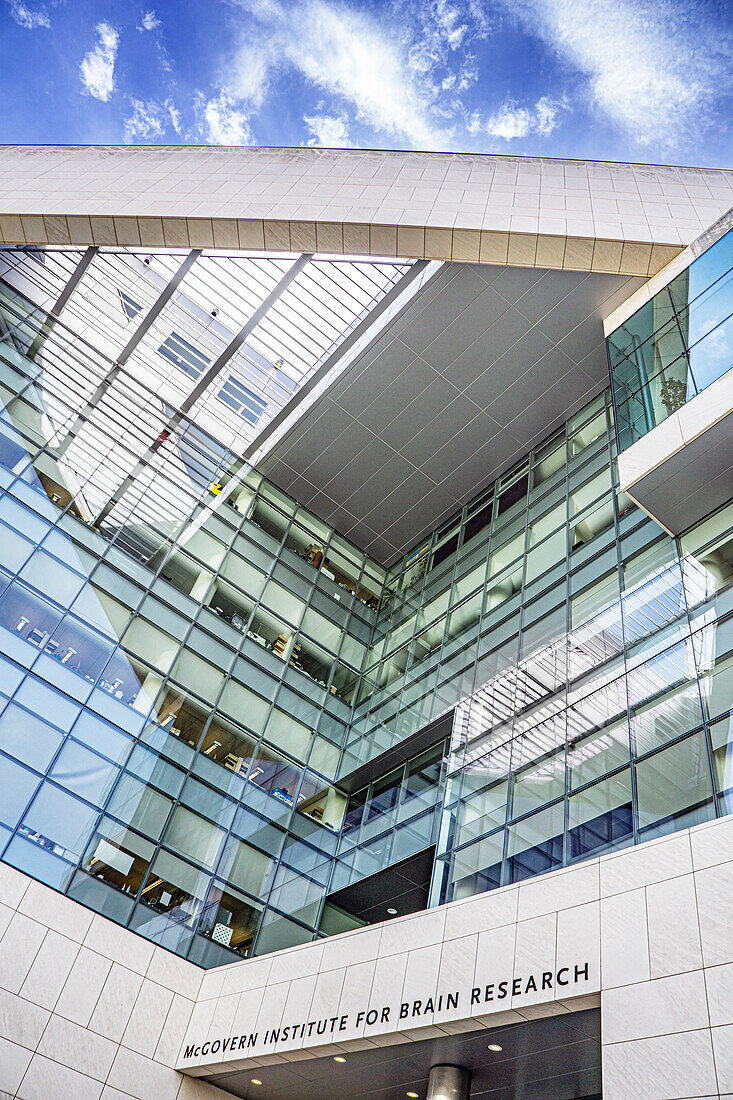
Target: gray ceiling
pixel 692 482
pixel 553 1058
pixel 480 366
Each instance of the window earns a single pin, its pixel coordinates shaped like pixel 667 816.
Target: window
pixel 185 356
pixel 129 306
pixel 443 552
pixel 242 400
pixel 512 495
pixel 478 522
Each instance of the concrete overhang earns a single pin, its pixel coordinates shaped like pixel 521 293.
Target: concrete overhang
pixel 683 469
pixel 497 349
pixel 478 368
pixel 554 1057
pixel 627 219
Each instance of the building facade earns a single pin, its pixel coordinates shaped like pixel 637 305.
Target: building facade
pixel 346 582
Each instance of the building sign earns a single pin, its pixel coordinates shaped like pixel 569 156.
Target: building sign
pixel 479 999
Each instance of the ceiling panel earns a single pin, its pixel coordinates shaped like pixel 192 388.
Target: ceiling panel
pixel 482 363
pixel 552 1058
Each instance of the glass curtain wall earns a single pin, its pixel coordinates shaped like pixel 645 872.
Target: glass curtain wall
pixel 180 646
pixel 453 610
pixel 192 661
pixel 624 734
pixel 675 345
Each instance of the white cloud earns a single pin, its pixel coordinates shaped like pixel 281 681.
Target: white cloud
pixel 26 17
pixel 387 77
pixel 653 65
pixel 222 120
pixel 249 77
pixel 145 122
pixel 150 119
pixel 546 112
pixel 149 22
pixel 511 121
pixel 98 66
pixel 328 131
pixel 175 116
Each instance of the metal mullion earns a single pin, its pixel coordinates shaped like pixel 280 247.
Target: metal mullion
pixel 360 298
pixel 347 272
pixel 144 326
pixel 289 309
pixel 251 281
pixel 62 301
pixel 273 329
pixel 48 280
pixel 322 296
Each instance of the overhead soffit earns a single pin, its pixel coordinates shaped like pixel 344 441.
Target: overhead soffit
pixel 480 367
pixel 488 356
pixel 556 1057
pixel 579 215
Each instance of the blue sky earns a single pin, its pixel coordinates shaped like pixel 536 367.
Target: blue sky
pixel 639 80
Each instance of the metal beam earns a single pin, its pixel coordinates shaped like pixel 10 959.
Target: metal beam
pixel 206 379
pixel 54 313
pixel 145 325
pixel 355 335
pixel 295 401
pixel 234 345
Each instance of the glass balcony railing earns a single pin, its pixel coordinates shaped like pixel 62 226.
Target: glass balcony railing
pixel 675 346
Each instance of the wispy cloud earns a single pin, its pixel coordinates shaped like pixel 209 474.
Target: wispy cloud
pixel 97 68
pixel 328 131
pixel 145 122
pixel 512 121
pixel 386 74
pixel 26 17
pixel 222 121
pixel 150 119
pixel 149 22
pixel 653 66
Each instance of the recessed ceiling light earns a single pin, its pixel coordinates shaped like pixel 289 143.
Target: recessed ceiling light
pixel 256 1081
pixel 339 1058
pixel 413 1095
pixel 392 912
pixel 495 1047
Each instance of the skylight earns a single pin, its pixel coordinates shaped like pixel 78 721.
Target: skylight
pixel 184 355
pixel 242 400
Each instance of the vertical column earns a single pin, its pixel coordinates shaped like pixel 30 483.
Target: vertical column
pixel 449 1083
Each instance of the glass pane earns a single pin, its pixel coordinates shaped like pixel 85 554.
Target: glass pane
pixel 18 786
pixel 230 918
pixel 482 812
pixel 118 857
pixel 193 836
pixel 84 772
pixel 36 748
pixel 600 818
pixel 478 867
pixel 535 844
pixel 174 888
pixel 721 736
pixel 247 867
pixel 538 785
pixel 674 787
pixel 599 753
pixel 59 823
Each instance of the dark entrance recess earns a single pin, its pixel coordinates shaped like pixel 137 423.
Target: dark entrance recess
pixel 553 1058
pixel 404 886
